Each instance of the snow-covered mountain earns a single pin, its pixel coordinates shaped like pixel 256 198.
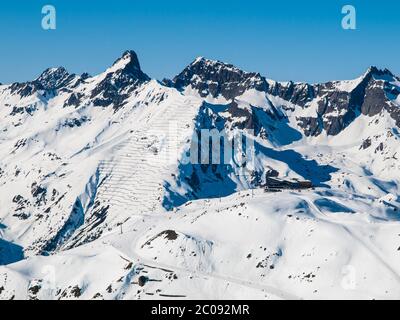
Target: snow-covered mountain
pixel 98 198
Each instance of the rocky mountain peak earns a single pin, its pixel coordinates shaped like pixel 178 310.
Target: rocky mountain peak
pixel 379 74
pixel 52 78
pixel 128 64
pixel 129 59
pixel 116 84
pixel 215 78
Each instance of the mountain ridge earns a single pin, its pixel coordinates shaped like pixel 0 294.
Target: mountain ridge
pixel 92 162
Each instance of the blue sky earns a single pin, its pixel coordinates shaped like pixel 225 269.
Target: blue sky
pixel 283 40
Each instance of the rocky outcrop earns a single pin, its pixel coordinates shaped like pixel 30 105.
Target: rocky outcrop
pixel 340 102
pixel 329 107
pixel 123 77
pixel 215 78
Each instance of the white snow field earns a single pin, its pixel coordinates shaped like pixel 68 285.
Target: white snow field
pixel 97 202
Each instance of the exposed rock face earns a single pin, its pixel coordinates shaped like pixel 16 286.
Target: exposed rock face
pixel 335 110
pixel 118 82
pixel 216 78
pixel 50 80
pixel 54 78
pixel 339 104
pixel 329 107
pixel 77 170
pixel 297 93
pixel 125 75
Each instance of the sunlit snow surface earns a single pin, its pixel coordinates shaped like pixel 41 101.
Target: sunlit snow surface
pixel 264 246
pixel 92 208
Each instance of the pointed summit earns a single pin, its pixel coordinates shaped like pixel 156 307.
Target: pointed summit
pixel 379 74
pixel 128 60
pixel 116 83
pixel 128 64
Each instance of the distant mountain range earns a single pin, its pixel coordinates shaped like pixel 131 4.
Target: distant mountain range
pixel 87 180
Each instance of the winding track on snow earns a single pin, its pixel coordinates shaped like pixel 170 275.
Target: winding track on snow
pixel 134 256
pixel 247 283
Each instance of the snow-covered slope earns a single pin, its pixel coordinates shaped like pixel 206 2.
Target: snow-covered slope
pixel 98 198
pixel 277 246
